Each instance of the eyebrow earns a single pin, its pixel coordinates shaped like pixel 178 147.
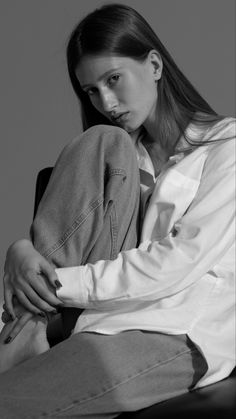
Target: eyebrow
pixel 102 76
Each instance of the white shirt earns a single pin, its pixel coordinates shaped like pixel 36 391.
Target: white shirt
pixel 181 278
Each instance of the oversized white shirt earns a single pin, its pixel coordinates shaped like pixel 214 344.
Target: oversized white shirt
pixel 181 278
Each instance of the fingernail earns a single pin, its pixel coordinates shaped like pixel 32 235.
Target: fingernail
pixel 8 340
pixel 58 284
pixel 53 312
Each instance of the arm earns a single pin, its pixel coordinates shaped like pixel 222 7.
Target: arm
pixel 159 269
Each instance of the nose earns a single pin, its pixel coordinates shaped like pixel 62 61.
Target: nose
pixel 109 100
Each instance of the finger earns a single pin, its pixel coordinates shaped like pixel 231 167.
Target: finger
pixel 50 274
pixel 35 285
pixel 5 307
pixel 45 291
pixel 39 284
pixel 32 301
pixel 18 326
pixel 18 307
pixel 6 317
pixel 8 295
pixel 26 303
pixel 5 312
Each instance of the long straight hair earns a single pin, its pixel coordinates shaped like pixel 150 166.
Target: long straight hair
pixel 119 30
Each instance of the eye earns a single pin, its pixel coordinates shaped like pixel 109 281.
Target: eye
pixel 113 79
pixel 91 91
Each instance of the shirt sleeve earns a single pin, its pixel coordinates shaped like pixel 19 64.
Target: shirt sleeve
pixel 158 269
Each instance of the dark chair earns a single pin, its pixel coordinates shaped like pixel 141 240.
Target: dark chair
pixel 215 401
pixel 41 184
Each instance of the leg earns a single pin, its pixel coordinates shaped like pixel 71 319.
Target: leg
pixel 91 206
pixel 90 209
pixel 30 342
pixel 91 376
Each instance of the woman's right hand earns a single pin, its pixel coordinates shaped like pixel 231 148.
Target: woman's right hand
pixel 31 278
pixel 14 326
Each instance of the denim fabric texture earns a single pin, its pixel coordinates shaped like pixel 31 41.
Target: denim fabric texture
pixel 90 211
pixel 96 376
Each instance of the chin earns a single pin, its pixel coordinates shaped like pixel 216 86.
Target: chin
pixel 131 127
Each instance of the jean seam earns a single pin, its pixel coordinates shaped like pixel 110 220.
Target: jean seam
pixel 76 224
pixel 104 392
pixel 81 219
pixel 117 171
pixel 132 210
pixel 114 232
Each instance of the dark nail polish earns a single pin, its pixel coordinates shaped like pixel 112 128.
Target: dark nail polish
pixel 8 340
pixel 58 284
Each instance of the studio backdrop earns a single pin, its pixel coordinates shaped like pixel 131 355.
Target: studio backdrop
pixel 39 111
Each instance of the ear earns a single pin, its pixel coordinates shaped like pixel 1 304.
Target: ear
pixel 156 63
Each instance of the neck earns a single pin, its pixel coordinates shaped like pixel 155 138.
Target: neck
pixel 152 128
pixel 157 153
pixel 160 145
pixel 161 137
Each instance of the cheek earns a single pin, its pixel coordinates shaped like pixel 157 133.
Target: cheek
pixel 142 93
pixel 150 96
pixel 130 91
pixel 96 103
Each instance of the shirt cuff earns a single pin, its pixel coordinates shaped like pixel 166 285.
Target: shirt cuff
pixel 75 286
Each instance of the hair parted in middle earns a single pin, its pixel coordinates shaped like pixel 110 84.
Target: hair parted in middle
pixel 119 30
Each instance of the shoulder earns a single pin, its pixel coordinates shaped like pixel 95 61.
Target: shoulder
pixel 226 128
pixel 221 150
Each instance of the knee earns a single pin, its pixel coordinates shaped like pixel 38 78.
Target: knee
pixel 100 138
pixel 108 134
pixel 113 140
pixel 97 130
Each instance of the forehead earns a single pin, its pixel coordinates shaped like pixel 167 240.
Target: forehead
pixel 93 67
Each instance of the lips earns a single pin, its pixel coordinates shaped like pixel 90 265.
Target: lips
pixel 120 117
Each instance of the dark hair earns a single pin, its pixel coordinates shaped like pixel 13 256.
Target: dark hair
pixel 119 30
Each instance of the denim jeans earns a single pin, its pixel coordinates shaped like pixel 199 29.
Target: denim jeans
pixel 90 211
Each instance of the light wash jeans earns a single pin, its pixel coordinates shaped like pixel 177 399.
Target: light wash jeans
pixel 90 211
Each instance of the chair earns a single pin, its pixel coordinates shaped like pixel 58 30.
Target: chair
pixel 215 401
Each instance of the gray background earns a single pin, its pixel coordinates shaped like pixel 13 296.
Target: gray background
pixel 39 112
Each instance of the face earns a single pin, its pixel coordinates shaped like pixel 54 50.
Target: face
pixel 122 89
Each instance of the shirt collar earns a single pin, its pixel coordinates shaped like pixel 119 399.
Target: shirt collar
pixel 183 148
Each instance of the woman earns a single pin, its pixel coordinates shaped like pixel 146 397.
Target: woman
pixel 150 275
